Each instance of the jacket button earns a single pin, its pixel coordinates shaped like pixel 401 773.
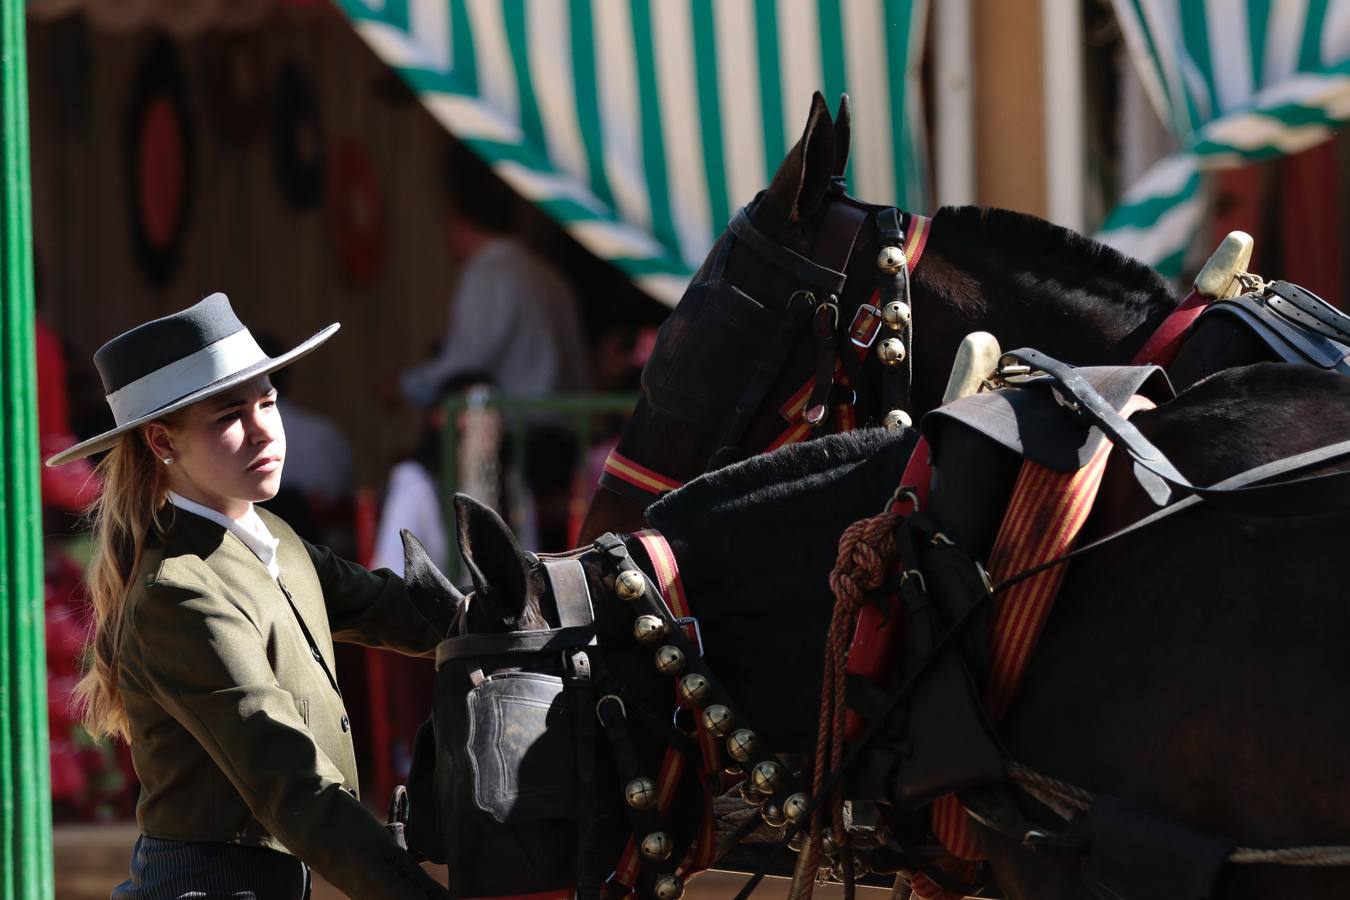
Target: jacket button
pixel 346 724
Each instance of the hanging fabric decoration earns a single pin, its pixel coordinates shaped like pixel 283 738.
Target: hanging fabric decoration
pixel 357 209
pixel 159 156
pixel 297 137
pixel 1234 81
pixel 640 127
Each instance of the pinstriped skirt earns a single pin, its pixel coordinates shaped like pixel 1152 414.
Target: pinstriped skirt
pixel 202 870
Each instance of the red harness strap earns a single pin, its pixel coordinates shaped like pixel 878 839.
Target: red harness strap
pixel 703 848
pixel 631 479
pixel 1162 347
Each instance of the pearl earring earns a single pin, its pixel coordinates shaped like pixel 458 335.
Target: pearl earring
pixel 168 460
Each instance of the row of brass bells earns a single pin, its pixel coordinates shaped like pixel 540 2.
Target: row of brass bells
pixel 741 745
pixel 657 846
pixel 670 660
pixel 718 720
pixel 629 584
pixel 668 887
pixel 896 420
pixel 693 689
pixel 891 352
pixel 890 259
pixel 895 315
pixel 640 793
pixel 649 629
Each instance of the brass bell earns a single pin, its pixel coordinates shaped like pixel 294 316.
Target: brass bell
pixel 629 584
pixel 750 795
pixel 741 745
pixel 657 846
pixel 891 352
pixel 895 314
pixel 827 844
pixel 717 719
pixel 896 420
pixel 797 841
pixel 670 660
pixel 694 689
pixel 669 887
pixel 890 259
pixel 766 775
pixel 794 807
pixel 640 793
pixel 649 629
pixel 772 815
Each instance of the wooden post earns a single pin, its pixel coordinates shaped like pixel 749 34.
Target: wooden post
pixel 25 783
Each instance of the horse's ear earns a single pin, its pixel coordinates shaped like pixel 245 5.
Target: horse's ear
pixel 843 135
pixel 801 181
pixel 434 596
pixel 495 562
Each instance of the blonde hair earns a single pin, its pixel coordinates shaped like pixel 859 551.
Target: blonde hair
pixel 125 515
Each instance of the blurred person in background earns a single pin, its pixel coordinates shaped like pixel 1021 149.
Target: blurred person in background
pixel 513 322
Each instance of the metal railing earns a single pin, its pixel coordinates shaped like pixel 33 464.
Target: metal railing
pixel 480 423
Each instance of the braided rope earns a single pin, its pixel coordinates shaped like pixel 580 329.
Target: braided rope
pixel 1068 800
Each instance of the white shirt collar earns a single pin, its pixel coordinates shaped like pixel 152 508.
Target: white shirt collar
pixel 250 529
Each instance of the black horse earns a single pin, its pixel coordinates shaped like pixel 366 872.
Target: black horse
pixel 1193 668
pixel 1025 280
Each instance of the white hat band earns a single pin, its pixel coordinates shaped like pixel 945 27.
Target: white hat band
pixel 181 377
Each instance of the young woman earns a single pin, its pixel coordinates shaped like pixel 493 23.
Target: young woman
pixel 213 630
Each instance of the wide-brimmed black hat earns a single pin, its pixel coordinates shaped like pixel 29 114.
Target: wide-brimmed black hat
pixel 173 362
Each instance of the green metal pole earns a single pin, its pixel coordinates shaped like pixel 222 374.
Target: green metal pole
pixel 25 783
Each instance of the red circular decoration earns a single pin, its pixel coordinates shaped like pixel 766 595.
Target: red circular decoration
pixel 161 171
pixel 357 208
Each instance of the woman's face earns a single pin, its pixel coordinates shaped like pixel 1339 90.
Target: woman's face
pixel 227 450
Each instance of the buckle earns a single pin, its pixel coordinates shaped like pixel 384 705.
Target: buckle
pixel 866 325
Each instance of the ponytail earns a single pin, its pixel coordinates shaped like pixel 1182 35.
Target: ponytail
pixel 123 518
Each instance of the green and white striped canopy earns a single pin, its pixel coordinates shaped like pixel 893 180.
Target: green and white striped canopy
pixel 642 125
pixel 1234 81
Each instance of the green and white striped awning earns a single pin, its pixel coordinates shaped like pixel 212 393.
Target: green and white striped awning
pixel 1234 81
pixel 642 125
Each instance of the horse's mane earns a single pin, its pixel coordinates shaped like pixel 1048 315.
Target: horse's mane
pixel 971 238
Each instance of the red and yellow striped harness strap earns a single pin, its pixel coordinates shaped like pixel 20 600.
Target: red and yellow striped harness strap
pixel 633 480
pixel 666 572
pixel 1045 516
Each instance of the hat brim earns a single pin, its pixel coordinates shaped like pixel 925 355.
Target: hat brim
pixel 107 439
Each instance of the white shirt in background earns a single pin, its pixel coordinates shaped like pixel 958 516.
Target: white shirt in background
pixel 412 502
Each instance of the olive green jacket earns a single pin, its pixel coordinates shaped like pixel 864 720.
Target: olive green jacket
pixel 238 731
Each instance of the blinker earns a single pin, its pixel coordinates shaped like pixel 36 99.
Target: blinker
pixel 670 660
pixel 629 584
pixel 649 629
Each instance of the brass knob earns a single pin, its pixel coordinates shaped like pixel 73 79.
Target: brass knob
pixel 794 807
pixel 629 584
pixel 640 793
pixel 741 745
pixel 669 887
pixel 891 352
pixel 649 629
pixel 765 776
pixel 717 719
pixel 890 259
pixel 657 846
pixel 694 689
pixel 895 314
pixel 670 660
pixel 896 420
